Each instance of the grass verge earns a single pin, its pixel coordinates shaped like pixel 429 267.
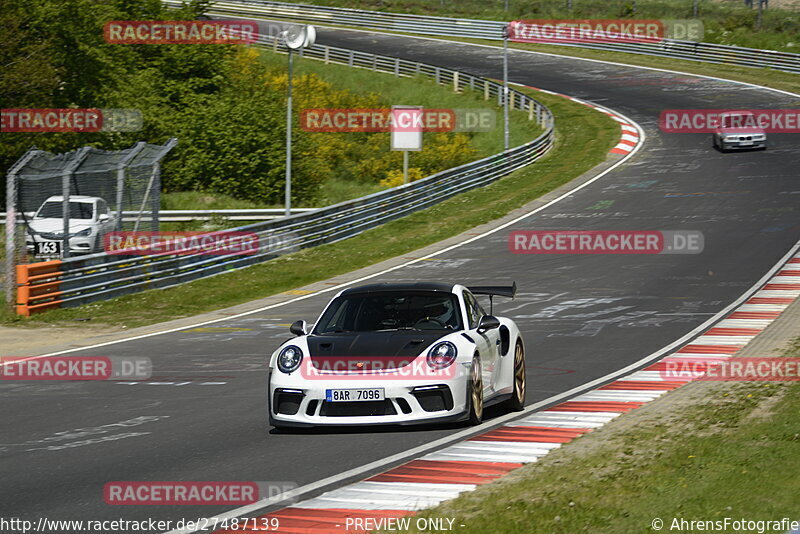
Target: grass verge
pixel 580 130
pixel 720 450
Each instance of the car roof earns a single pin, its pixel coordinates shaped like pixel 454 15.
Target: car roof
pixel 409 286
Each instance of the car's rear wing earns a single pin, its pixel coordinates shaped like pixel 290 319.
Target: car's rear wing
pixel 492 291
pixel 500 291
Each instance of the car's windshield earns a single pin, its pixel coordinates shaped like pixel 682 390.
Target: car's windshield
pixel 744 120
pixel 370 312
pixel 77 210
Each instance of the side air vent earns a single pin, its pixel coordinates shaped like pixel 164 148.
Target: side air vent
pixel 505 340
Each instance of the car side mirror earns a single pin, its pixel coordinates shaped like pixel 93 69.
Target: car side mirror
pixel 104 217
pixel 298 328
pixel 488 322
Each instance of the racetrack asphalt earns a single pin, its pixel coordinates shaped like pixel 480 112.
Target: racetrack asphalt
pixel 582 316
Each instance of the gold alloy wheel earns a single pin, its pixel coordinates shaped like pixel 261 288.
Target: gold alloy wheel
pixel 519 374
pixel 476 388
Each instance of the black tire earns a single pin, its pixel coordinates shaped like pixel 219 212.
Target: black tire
pixel 517 401
pixel 475 393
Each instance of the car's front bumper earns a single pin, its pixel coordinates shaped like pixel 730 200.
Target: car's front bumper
pixel 743 145
pixel 293 402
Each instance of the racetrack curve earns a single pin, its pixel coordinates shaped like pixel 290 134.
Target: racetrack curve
pixel 582 316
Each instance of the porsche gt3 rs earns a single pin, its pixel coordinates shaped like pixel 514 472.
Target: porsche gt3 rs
pixel 399 354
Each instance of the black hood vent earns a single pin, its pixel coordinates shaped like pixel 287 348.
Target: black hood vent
pixel 396 343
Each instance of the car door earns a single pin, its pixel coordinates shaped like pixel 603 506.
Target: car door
pixel 488 342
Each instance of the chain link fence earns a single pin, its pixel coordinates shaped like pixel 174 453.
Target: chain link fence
pixel 62 205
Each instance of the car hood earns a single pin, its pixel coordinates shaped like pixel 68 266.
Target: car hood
pixel 387 349
pixel 57 225
pixel 741 131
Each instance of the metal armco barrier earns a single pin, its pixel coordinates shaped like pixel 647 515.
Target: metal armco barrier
pixel 80 280
pixel 489 29
pixel 256 214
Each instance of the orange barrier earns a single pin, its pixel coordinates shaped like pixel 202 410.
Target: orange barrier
pixel 38 287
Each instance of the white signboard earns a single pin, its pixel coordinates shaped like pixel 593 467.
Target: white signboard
pixel 406 127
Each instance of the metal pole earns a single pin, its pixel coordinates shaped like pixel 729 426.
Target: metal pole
pixel 65 213
pixel 11 228
pixel 120 188
pixel 11 231
pixel 760 9
pixel 695 8
pixel 153 176
pixel 65 186
pixel 155 225
pixel 288 198
pixel 505 87
pixel 154 184
pixel 138 147
pixel 405 166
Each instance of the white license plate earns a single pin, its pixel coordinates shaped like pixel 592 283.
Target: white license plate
pixel 354 395
pixel 47 248
pixel 746 143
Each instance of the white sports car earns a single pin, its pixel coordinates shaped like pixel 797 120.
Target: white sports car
pixel 399 354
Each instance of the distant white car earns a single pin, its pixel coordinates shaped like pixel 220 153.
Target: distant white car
pixel 89 221
pixel 739 130
pixel 402 353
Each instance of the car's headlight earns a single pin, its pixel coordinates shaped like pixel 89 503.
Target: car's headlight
pixel 730 137
pixel 759 137
pixel 84 233
pixel 289 359
pixel 442 355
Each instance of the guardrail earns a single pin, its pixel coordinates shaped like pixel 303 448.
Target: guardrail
pixel 256 214
pixel 83 279
pixel 493 30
